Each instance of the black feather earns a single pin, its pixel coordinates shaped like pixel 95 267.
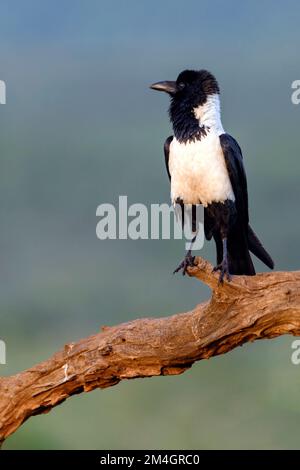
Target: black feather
pixel 167 152
pixel 246 237
pixel 258 250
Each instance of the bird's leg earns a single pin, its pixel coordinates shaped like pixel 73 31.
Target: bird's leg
pixel 188 260
pixel 223 266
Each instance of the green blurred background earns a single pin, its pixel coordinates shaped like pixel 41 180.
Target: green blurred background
pixel 81 127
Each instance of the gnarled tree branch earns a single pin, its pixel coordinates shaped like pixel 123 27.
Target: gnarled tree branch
pixel 246 309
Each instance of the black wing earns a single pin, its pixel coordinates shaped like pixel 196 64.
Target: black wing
pixel 166 152
pixel 235 167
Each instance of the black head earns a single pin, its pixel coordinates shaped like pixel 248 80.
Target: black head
pixel 191 85
pixel 190 90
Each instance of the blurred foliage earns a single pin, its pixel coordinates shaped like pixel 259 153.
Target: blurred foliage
pixel 81 127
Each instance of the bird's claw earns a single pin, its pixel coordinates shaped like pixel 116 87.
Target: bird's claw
pixel 224 270
pixel 189 261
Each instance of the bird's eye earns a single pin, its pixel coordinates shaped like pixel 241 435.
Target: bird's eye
pixel 181 85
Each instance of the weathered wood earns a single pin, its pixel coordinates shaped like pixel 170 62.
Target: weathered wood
pixel 246 309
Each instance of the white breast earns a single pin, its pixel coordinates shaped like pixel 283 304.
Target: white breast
pixel 198 171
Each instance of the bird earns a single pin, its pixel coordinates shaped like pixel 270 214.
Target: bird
pixel 205 166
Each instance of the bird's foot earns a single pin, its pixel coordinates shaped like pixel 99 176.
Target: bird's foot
pixel 224 271
pixel 188 261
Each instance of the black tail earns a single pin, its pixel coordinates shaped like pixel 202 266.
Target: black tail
pixel 258 250
pixel 239 258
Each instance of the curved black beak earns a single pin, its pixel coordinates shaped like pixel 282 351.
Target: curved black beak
pixel 167 86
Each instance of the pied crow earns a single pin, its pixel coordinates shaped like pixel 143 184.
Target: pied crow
pixel 205 166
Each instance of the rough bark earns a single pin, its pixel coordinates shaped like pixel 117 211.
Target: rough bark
pixel 246 309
